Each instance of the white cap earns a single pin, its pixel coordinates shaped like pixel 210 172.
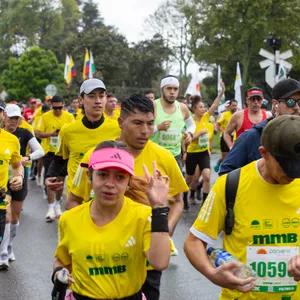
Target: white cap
pixel 91 84
pixel 13 110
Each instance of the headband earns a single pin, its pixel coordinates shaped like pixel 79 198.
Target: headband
pixel 169 80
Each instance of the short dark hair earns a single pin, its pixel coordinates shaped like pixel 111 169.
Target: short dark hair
pixel 169 76
pixel 138 102
pixel 110 95
pixel 231 101
pixel 149 92
pixel 195 101
pixel 57 99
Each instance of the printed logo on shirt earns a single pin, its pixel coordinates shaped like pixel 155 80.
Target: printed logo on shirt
pixel 131 242
pixel 107 270
pixel 267 239
pixel 89 257
pixel 255 224
pixel 298 211
pixel 7 151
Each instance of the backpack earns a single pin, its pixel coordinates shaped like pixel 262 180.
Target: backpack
pixel 232 183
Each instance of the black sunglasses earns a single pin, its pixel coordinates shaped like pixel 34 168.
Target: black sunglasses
pixel 57 107
pixel 290 102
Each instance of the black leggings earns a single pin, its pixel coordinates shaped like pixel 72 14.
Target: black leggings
pixel 2 223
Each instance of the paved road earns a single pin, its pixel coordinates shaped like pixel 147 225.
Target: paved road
pixel 29 276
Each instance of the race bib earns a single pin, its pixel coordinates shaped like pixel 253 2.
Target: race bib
pixel 270 265
pixel 170 137
pixel 203 141
pixel 54 140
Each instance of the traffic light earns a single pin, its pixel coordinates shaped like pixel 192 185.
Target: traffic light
pixel 274 43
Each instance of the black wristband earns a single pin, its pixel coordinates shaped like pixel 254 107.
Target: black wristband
pixel 160 223
pixel 54 271
pixel 160 211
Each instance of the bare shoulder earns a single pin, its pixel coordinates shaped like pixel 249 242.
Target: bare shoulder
pixel 237 115
pixel 185 111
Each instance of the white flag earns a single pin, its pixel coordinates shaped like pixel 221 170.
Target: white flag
pixel 194 85
pixel 219 88
pixel 237 86
pixel 281 72
pixel 67 64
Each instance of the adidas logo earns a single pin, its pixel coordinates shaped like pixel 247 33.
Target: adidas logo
pixel 298 211
pixel 7 151
pixel 117 155
pixel 131 242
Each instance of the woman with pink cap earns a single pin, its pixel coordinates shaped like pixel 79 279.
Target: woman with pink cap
pixel 105 243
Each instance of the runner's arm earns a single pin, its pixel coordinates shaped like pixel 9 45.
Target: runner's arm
pixel 37 150
pixel 176 208
pixel 43 135
pixel 73 201
pixel 216 102
pixel 231 127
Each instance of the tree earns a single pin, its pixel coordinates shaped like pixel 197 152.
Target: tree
pixel 29 75
pixel 91 17
pixel 230 31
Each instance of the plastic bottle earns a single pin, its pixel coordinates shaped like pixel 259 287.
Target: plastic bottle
pixel 219 257
pixel 28 165
pixel 60 285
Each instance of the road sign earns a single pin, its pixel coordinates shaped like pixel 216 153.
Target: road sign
pixel 271 61
pixel 51 90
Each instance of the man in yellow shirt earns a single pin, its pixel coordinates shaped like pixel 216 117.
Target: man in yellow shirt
pixel 110 108
pixel 9 155
pixel 265 235
pixel 222 123
pixel 77 138
pixel 76 110
pixel 48 129
pixel 137 125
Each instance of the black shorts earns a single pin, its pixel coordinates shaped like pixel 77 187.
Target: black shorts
pixel 202 159
pixel 47 160
pixel 223 145
pixel 152 284
pixel 22 193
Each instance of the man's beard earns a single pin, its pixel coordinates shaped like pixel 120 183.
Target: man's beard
pixel 166 99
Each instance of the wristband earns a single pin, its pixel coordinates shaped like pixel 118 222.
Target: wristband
pixel 160 211
pixel 160 223
pixel 54 272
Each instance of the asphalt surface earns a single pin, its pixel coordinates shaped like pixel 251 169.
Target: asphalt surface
pixel 29 276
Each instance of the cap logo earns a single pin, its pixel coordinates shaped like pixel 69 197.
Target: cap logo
pixel 117 156
pixel 297 148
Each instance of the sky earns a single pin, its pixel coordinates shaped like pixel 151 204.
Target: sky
pixel 128 15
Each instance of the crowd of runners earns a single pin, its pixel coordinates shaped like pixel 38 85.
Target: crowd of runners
pixel 119 175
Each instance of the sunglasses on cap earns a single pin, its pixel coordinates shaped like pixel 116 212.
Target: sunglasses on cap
pixel 290 102
pixel 57 107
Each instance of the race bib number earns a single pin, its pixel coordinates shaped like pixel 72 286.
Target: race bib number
pixel 54 140
pixel 203 141
pixel 270 265
pixel 170 137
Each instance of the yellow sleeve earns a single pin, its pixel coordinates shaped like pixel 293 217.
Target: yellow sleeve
pixel 221 119
pixel 177 182
pixel 16 156
pixel 80 181
pixel 62 148
pixel 147 234
pixel 62 251
pixel 211 218
pixel 41 125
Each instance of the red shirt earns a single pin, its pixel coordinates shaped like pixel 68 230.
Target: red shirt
pixel 28 114
pixel 247 124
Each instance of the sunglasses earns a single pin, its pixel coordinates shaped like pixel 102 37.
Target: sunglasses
pixel 57 107
pixel 254 98
pixel 290 102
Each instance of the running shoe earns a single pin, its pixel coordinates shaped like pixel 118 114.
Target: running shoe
pixel 50 216
pixel 174 251
pixel 57 210
pixel 217 167
pixel 44 194
pixel 4 264
pixel 192 201
pixel 186 208
pixel 39 180
pixel 11 255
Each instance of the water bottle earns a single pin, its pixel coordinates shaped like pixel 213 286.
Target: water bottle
pixel 60 285
pixel 220 257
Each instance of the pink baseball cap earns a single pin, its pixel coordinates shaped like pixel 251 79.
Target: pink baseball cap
pixel 112 158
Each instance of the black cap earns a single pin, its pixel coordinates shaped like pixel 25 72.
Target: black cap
pixel 285 88
pixel 2 105
pixel 45 108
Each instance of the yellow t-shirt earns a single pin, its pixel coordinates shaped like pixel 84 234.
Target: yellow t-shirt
pixel 202 143
pixel 26 125
pixel 108 262
pixel 266 231
pixel 224 119
pixel 38 112
pixel 76 139
pixel 115 117
pixel 152 152
pixel 9 153
pixel 79 114
pixel 49 123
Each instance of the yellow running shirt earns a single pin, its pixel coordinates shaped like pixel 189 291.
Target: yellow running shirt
pixel 9 153
pixel 152 152
pixel 76 139
pixel 49 123
pixel 79 114
pixel 266 232
pixel 202 144
pixel 108 262
pixel 224 119
pixel 27 126
pixel 115 117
